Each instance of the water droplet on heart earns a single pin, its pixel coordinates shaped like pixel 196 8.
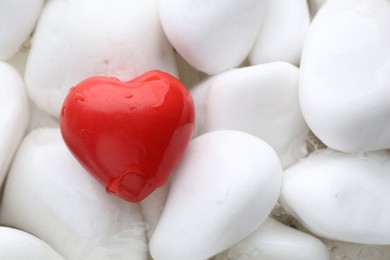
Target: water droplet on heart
pixel 132 107
pixel 112 185
pixel 86 136
pixel 129 96
pixel 78 97
pixel 83 133
pixel 129 184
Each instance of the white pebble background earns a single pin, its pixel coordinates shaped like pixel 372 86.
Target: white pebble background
pixel 303 85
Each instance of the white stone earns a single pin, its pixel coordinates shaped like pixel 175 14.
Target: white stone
pixel 282 32
pixel 13 114
pixel 212 36
pixel 77 39
pixel 275 241
pixel 261 100
pixel 224 188
pixel 19 245
pixel 49 195
pixel 341 196
pixel 344 80
pixel 17 21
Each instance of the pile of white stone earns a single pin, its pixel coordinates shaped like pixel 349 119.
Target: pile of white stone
pixel 266 77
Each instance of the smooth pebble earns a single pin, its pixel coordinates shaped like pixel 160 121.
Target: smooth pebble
pixel 49 195
pixel 261 100
pixel 341 196
pixel 344 79
pixel 212 36
pixel 275 241
pixel 224 188
pixel 14 115
pixel 77 39
pixel 282 32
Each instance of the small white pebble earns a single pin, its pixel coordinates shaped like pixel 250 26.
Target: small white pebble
pixel 212 36
pixel 261 100
pixel 50 195
pixel 77 39
pixel 282 32
pixel 275 241
pixel 341 196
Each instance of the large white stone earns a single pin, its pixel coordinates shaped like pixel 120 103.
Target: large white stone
pixel 282 32
pixel 19 245
pixel 261 100
pixel 77 39
pixel 50 195
pixel 345 75
pixel 17 21
pixel 212 36
pixel 224 188
pixel 341 196
pixel 275 241
pixel 13 114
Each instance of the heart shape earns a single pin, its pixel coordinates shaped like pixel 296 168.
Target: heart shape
pixel 128 135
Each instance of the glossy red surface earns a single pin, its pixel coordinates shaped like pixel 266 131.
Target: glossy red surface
pixel 128 135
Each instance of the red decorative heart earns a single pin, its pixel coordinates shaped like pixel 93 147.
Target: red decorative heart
pixel 128 135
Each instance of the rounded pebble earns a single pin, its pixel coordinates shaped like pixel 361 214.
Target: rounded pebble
pixel 275 241
pixel 282 32
pixel 212 36
pixel 344 79
pixel 261 100
pixel 341 196
pixel 78 39
pixel 50 195
pixel 224 188
pixel 14 115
